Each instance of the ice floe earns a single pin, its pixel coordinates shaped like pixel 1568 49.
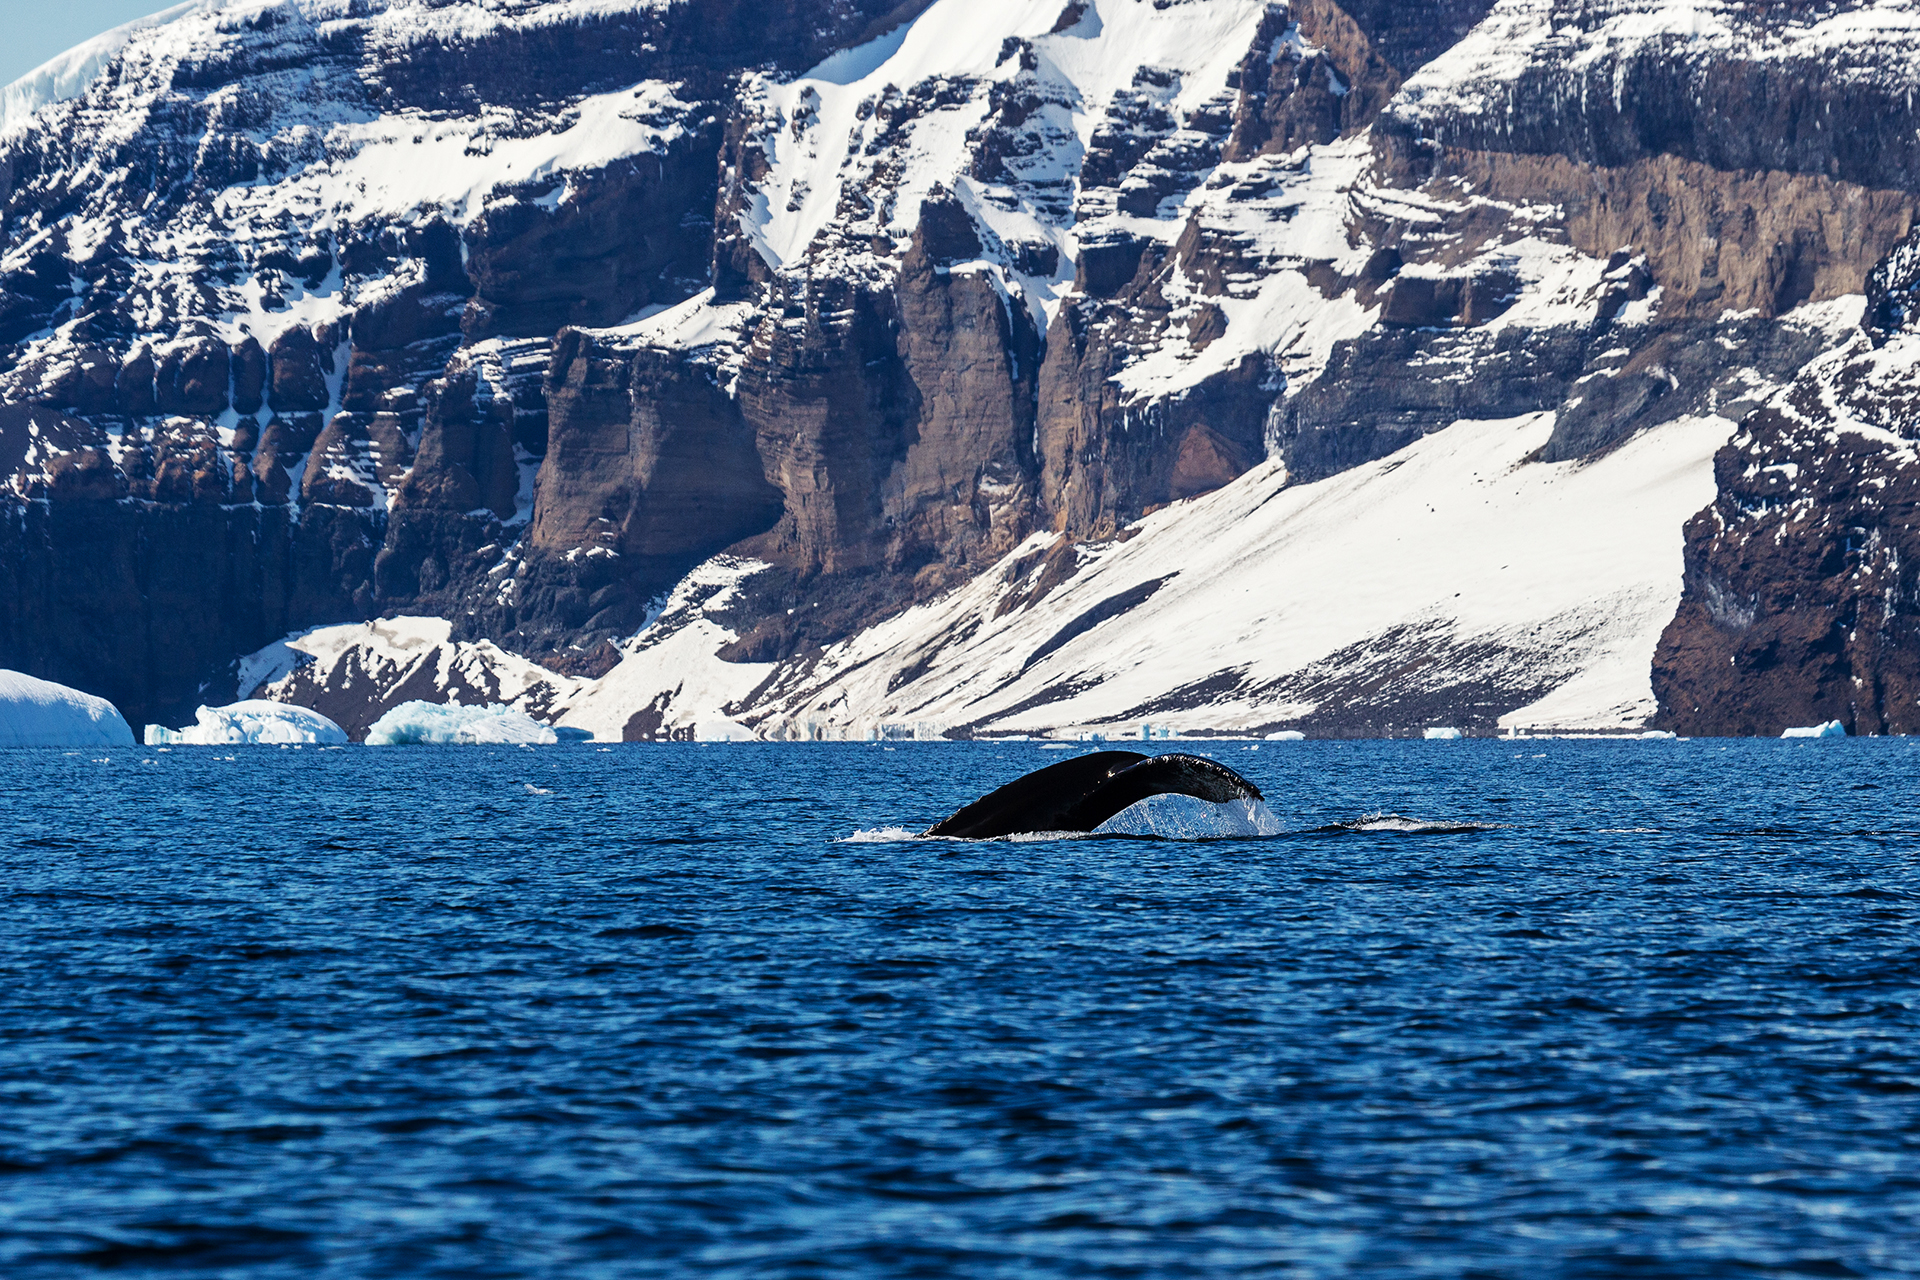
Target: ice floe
pixel 1831 729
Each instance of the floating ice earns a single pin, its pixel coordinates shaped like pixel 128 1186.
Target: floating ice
pixel 429 722
pixel 1444 735
pixel 1831 729
pixel 1660 735
pixel 718 730
pixel 40 713
pixel 1287 735
pixel 255 720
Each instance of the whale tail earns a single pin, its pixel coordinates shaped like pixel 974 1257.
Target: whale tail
pixel 1081 793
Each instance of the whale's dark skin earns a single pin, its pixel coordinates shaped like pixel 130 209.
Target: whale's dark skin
pixel 1081 793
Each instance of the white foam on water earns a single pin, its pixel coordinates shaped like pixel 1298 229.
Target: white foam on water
pixel 879 835
pixel 1404 825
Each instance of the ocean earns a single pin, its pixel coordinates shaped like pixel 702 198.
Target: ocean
pixel 1483 1008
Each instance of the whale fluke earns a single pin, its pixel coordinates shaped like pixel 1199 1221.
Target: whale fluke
pixel 1081 793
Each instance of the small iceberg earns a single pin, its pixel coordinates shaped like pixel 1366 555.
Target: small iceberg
pixel 1443 735
pixel 40 713
pixel 414 723
pixel 1287 735
pixel 1658 735
pixel 254 721
pixel 1831 729
pixel 722 731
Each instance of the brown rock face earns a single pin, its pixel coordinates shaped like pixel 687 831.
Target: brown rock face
pixel 614 241
pixel 1107 457
pixel 1799 603
pixel 1715 241
pixel 647 459
pixel 354 460
pixel 249 364
pixel 300 365
pixel 465 461
pixel 191 377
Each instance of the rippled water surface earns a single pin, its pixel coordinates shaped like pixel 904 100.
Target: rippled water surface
pixel 1630 1008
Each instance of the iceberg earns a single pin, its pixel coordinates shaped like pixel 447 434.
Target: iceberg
pixel 1831 729
pixel 255 720
pixel 413 723
pixel 40 713
pixel 1287 735
pixel 1444 735
pixel 1658 735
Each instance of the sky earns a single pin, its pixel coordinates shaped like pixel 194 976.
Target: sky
pixel 38 29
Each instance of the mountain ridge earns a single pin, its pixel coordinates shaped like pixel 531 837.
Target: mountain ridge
pixel 831 336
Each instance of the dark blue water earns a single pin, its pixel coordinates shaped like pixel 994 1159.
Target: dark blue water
pixel 643 1012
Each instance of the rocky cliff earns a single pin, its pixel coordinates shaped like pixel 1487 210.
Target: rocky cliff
pixel 832 366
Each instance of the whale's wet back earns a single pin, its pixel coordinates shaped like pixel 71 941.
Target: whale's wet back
pixel 1583 1009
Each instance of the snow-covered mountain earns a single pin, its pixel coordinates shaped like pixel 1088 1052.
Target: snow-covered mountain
pixel 838 367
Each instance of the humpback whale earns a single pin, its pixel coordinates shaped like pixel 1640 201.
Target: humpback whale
pixel 1081 793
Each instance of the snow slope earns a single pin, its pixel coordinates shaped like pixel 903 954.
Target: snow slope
pixel 1454 575
pixel 1454 563
pixel 40 713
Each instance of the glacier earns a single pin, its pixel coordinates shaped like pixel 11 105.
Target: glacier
pixel 254 720
pixel 415 723
pixel 40 713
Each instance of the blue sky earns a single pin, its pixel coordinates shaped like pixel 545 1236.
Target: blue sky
pixel 38 29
